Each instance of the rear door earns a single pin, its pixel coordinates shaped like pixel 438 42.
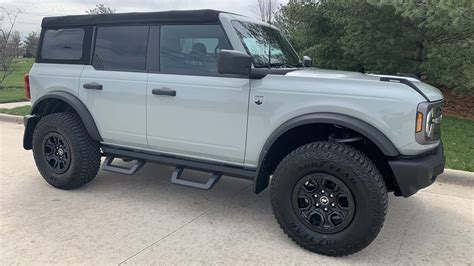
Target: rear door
pixel 114 86
pixel 192 110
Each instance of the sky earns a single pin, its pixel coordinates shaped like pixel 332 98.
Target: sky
pixel 34 10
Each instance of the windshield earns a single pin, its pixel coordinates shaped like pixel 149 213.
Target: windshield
pixel 266 46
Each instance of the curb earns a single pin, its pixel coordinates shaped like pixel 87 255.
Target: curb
pixel 11 118
pixel 456 177
pixel 449 176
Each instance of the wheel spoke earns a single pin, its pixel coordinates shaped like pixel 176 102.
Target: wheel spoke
pixel 324 202
pixel 56 152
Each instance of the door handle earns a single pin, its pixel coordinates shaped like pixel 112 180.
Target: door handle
pixel 92 86
pixel 164 92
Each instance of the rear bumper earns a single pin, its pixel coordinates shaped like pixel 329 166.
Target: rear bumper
pixel 415 173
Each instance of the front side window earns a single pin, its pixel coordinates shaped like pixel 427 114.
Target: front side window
pixel 191 49
pixel 266 46
pixel 121 48
pixel 62 44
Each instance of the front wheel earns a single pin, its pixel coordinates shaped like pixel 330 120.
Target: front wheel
pixel 329 198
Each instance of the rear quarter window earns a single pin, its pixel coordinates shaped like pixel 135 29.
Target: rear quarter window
pixel 63 44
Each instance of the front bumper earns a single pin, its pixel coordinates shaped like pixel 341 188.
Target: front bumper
pixel 415 173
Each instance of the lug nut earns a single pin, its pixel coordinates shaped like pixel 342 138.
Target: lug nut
pixel 322 191
pixel 325 209
pixel 316 195
pixel 333 205
pixel 331 195
pixel 317 204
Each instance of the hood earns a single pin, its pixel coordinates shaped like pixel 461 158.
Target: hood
pixel 432 93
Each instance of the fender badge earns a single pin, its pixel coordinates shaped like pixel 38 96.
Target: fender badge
pixel 258 100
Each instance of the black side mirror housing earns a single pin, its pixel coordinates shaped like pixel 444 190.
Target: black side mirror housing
pixel 307 61
pixel 234 62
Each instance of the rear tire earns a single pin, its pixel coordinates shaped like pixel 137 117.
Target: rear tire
pixel 329 198
pixel 66 156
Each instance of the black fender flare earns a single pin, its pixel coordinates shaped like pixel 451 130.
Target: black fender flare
pixel 71 100
pixel 363 128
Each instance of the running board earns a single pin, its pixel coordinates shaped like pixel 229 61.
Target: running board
pixel 108 166
pixel 176 179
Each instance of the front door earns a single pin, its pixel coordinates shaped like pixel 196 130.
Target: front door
pixel 192 110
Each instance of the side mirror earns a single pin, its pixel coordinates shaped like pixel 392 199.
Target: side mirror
pixel 234 63
pixel 307 61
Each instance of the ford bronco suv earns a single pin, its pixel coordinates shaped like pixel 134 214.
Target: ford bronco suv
pixel 228 95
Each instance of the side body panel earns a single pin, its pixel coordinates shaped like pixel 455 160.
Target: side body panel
pixel 119 109
pixel 207 119
pixel 45 78
pixel 391 108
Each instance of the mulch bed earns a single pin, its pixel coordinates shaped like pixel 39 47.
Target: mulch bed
pixel 461 106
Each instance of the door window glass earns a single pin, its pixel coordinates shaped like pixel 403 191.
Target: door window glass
pixel 191 49
pixel 121 48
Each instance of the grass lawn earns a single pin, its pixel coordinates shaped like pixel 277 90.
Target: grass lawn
pixel 13 86
pixel 21 111
pixel 458 138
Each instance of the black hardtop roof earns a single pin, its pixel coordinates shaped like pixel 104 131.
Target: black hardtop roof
pixel 175 16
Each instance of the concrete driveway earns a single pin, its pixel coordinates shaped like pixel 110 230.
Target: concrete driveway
pixel 143 219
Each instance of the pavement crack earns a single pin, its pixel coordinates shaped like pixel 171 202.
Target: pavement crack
pixel 207 211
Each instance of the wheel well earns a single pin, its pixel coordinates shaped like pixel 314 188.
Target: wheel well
pixel 51 106
pixel 304 134
pixel 58 102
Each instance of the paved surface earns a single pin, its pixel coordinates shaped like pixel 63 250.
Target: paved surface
pixel 13 105
pixel 144 219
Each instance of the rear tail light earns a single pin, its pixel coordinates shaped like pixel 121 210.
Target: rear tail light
pixel 27 86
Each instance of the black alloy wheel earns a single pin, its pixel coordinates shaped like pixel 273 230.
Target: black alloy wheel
pixel 323 203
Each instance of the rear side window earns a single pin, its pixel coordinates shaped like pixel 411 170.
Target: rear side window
pixel 191 49
pixel 121 48
pixel 62 44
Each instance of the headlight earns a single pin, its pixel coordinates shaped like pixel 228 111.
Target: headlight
pixel 428 122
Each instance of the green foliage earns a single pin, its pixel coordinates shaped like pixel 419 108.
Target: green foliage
pixel 31 44
pixel 100 9
pixel 429 38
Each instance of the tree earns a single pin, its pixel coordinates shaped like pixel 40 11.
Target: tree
pixel 15 43
pixel 31 44
pixel 267 9
pixel 8 45
pixel 100 9
pixel 430 38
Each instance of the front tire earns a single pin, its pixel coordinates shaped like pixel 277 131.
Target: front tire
pixel 329 198
pixel 66 156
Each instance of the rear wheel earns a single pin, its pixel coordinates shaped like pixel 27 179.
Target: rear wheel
pixel 66 156
pixel 329 198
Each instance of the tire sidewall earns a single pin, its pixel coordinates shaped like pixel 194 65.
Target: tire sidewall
pixel 48 125
pixel 341 166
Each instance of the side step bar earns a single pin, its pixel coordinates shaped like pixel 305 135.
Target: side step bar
pixel 179 162
pixel 176 179
pixel 216 170
pixel 108 166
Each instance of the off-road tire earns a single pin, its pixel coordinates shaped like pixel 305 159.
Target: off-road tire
pixel 84 152
pixel 351 167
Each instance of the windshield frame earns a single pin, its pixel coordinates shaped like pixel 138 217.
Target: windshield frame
pixel 283 45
